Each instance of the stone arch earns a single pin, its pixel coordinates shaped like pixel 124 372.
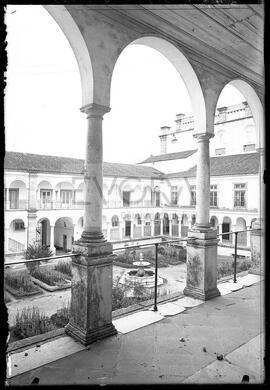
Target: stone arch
pixel 255 106
pixel 181 63
pixel 166 224
pixel 43 232
pixel 74 36
pixel 115 221
pixel 214 223
pixel 64 234
pixel 17 239
pixel 242 236
pixel 226 227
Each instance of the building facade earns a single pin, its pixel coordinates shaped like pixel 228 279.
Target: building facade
pixel 44 194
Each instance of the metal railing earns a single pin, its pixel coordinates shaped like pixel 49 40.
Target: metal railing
pixel 136 246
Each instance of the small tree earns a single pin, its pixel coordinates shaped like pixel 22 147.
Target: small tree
pixel 36 251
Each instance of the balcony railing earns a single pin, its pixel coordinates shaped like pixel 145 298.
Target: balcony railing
pixel 21 204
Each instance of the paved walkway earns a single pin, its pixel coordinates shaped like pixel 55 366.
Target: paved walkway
pixel 218 341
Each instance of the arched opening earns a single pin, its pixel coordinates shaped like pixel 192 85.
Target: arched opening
pixel 166 224
pixel 17 195
pixel 64 195
pixel 157 100
pixel 184 225
pixel 147 225
pixel 45 195
pixel 43 231
pixel 242 236
pixel 157 225
pixel 226 227
pixel 214 223
pixel 175 225
pixel 155 197
pixel 64 234
pixel 239 116
pixel 127 229
pixel 17 236
pixel 79 196
pixel 115 229
pixel 137 228
pixel 193 219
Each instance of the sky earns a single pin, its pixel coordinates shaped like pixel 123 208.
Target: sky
pixel 43 94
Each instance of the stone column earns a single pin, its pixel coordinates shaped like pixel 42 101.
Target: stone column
pixel 6 237
pixel 257 242
pixel 131 228
pixel 170 226
pixel 161 225
pixel 202 239
pixel 152 227
pixel 32 225
pixel 91 289
pixel 7 199
pixel 179 225
pixel 108 231
pixel 232 236
pixel 52 247
pixel 32 192
pixel 142 226
pixel 121 229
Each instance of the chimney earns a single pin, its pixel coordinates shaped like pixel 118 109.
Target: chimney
pixel 222 114
pixel 178 121
pixel 165 130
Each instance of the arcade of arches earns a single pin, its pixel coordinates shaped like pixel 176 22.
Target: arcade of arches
pixel 97 44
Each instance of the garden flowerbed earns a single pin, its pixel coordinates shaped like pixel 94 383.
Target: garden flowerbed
pixel 20 284
pixel 50 279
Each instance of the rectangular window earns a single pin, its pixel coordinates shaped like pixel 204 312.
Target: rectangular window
pixel 213 195
pixel 249 148
pixel 19 225
pixel 240 195
pixel 192 195
pixel 14 198
pixel 126 198
pixel 46 196
pixel 174 195
pixel 66 196
pixel 220 151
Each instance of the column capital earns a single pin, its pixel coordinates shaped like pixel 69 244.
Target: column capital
pixel 201 137
pixel 94 110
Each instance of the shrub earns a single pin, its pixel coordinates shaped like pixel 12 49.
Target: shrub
pixel 224 269
pixel 30 322
pixel 64 267
pixel 49 276
pixel 36 251
pixel 20 281
pixel 61 317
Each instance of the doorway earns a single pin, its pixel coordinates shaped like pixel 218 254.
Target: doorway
pixel 127 228
pixel 65 242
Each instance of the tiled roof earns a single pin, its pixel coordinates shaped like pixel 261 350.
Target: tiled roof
pixel 169 156
pixel 238 164
pixel 53 164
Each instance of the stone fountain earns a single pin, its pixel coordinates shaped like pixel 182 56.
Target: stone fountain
pixel 141 276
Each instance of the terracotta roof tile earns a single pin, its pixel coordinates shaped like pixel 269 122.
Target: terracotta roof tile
pixel 55 164
pixel 169 156
pixel 238 164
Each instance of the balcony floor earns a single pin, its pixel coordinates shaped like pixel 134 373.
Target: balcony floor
pixel 181 348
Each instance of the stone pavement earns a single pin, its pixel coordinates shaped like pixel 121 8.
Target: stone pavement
pixel 183 348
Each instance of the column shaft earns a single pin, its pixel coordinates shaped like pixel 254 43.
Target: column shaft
pixel 93 177
pixel 203 181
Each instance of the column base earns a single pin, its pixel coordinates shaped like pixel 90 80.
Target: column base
pixel 202 264
pixel 91 292
pixel 90 336
pixel 201 294
pixel 88 237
